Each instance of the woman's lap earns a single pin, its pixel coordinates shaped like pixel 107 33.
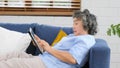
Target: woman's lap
pixel 20 60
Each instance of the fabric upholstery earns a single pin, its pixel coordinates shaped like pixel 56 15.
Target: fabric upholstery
pixel 100 55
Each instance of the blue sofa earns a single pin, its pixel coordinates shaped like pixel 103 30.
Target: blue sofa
pixel 99 54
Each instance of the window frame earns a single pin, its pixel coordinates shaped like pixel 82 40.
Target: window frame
pixel 35 11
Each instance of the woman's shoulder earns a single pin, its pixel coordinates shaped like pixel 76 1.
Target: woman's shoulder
pixel 88 39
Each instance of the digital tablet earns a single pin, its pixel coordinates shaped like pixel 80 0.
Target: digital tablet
pixel 31 33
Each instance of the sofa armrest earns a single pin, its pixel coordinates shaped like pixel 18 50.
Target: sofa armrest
pixel 100 55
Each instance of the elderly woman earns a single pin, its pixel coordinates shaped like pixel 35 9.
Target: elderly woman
pixel 68 53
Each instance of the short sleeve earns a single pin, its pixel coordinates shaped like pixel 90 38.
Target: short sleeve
pixel 79 51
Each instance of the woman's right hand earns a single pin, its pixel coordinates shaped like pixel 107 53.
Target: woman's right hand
pixel 45 45
pixel 37 39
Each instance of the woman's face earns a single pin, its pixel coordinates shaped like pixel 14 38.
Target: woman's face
pixel 78 27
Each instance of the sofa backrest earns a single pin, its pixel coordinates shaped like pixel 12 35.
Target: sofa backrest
pixel 18 27
pixel 49 33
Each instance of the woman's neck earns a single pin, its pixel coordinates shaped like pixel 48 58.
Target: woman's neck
pixel 84 32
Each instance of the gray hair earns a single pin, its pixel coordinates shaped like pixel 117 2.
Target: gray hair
pixel 88 20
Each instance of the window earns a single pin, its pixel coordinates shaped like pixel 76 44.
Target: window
pixel 39 7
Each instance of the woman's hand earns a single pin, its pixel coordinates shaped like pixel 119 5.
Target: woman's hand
pixel 37 39
pixel 43 44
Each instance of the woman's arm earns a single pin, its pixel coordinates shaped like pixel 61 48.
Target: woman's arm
pixel 61 55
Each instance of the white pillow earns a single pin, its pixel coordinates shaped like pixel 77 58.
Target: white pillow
pixel 13 41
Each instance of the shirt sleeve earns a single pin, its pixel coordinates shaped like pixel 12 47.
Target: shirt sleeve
pixel 79 50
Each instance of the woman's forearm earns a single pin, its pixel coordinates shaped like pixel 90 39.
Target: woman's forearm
pixel 63 56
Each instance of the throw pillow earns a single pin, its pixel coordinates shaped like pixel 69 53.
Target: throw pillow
pixel 59 36
pixel 13 41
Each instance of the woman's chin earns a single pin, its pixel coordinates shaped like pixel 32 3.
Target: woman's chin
pixel 75 34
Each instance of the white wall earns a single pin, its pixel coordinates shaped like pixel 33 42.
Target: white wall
pixel 53 20
pixel 107 12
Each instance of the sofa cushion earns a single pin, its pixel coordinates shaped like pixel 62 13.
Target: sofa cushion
pixel 21 28
pixel 59 36
pixel 13 41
